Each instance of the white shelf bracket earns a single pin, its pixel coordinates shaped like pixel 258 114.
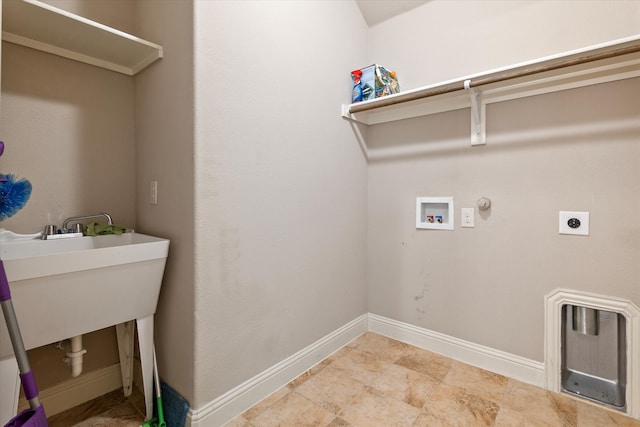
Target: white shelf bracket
pixel 478 134
pixel 345 112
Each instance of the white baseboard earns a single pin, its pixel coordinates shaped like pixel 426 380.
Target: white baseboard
pixel 226 407
pixel 234 402
pixel 76 391
pixel 500 362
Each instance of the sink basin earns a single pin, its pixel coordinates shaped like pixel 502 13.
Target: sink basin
pixel 68 287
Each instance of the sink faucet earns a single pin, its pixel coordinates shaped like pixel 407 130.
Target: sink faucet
pixel 82 218
pixel 51 231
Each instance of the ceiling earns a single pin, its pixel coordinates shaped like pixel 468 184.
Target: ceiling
pixel 375 11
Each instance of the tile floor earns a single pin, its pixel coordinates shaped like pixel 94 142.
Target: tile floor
pixel 377 381
pixel 112 409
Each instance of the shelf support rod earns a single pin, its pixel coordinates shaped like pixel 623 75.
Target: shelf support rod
pixel 478 134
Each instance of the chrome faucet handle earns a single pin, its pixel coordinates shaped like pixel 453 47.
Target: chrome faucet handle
pixel 49 230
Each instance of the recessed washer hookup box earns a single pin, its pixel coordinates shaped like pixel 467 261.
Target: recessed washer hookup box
pixel 373 82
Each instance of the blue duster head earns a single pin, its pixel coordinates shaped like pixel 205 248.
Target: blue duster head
pixel 14 194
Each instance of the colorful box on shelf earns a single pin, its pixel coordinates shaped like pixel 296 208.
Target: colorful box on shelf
pixel 373 82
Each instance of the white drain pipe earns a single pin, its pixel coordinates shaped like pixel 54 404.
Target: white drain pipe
pixel 74 357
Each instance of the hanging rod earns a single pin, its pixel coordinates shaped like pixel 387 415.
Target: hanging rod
pixel 603 51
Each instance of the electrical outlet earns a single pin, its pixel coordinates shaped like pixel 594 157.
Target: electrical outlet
pixel 468 217
pixel 570 222
pixel 153 192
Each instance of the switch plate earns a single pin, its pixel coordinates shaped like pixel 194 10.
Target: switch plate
pixel 567 223
pixel 153 192
pixel 467 217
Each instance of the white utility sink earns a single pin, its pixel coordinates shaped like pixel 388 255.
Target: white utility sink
pixel 68 287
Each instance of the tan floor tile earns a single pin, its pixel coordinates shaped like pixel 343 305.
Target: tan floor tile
pixel 238 421
pixel 426 363
pixel 124 415
pixel 457 407
pixel 361 366
pixel 91 410
pixel 337 355
pixel 331 389
pixel 293 410
pixel 425 420
pixel 108 422
pixel 354 343
pixel 535 404
pixel 590 415
pixel 386 349
pixel 406 385
pixel 308 374
pixel 376 409
pixel 338 422
pixel 520 396
pixel 565 409
pixel 477 381
pixel 259 407
pixel 508 417
pixel 121 416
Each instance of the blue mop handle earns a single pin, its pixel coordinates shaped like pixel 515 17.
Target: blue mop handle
pixel 26 376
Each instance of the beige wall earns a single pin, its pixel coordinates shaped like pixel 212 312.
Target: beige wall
pixel 568 151
pixel 280 185
pixel 572 150
pixel 116 14
pixel 444 40
pixel 69 129
pixel 165 153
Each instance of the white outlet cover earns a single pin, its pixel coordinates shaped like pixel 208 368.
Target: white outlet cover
pixel 563 223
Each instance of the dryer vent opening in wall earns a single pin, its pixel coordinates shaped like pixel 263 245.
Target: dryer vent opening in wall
pixel 594 355
pixel 592 345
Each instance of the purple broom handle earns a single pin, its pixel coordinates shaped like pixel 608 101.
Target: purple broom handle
pixel 5 293
pixel 29 385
